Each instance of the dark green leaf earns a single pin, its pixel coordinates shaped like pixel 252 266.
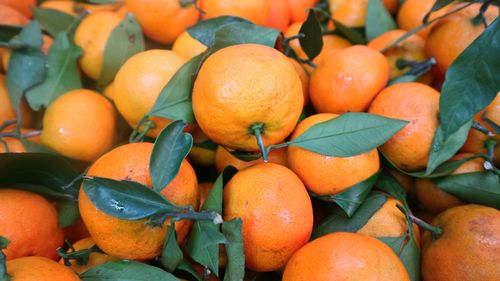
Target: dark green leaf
pixel 410 256
pixel 438 5
pixel 68 212
pixel 53 21
pixel 32 146
pixel 395 243
pixel 4 242
pixel 312 41
pixel 187 267
pixel 352 198
pixel 125 199
pixel 245 155
pixel 243 33
pixel 338 221
pixel 171 255
pixel 62 75
pixel 170 149
pixel 388 183
pixel 235 269
pixel 7 32
pixel 480 187
pixel 349 134
pixel 205 30
pixel 378 19
pixel 350 34
pixel 126 271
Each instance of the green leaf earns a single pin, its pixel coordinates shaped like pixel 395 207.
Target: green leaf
pixel 7 32
pixel 403 79
pixel 243 33
pixel 471 81
pixel 353 197
pixel 480 187
pixel 312 41
pixel 351 34
pixel 4 242
pixel 205 30
pixel 388 183
pixel 53 21
pixel 378 19
pixel 170 149
pixel 444 148
pixel 32 146
pixel 62 74
pixel 438 5
pixel 171 255
pixel 408 252
pixel 395 243
pixel 338 221
pixel 126 271
pixel 235 269
pixel 125 41
pixel 68 212
pixel 349 134
pixel 187 267
pixel 126 199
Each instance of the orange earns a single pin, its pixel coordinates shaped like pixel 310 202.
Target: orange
pixel 109 92
pixel 205 188
pixel 352 13
pixel 411 49
pixel 244 85
pixel 276 212
pixel 224 158
pixel 412 12
pixel 348 80
pixel 300 9
pixel 280 14
pixel 304 79
pixel 139 82
pixel 92 36
pixel 345 256
pixel 328 175
pixel 468 249
pixel 23 6
pixel 187 46
pixel 11 145
pixel 419 104
pixel 200 154
pixel 155 15
pixel 407 182
pixel 128 239
pixel 450 36
pixel 74 8
pixel 76 231
pixel 95 258
pixel 256 11
pixel 11 16
pixel 39 269
pixel 435 200
pixel 7 112
pixel 30 222
pixel 81 124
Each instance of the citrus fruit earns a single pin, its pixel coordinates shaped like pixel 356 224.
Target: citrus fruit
pixel 412 12
pixel 76 231
pixel 95 258
pixel 22 6
pixel 39 269
pixel 203 151
pixel 256 11
pixel 75 8
pixel 352 13
pixel 187 46
pixel 224 158
pixel 280 14
pixel 10 16
pixel 300 8
pixel 304 79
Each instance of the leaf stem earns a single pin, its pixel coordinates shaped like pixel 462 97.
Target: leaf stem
pixel 256 130
pixel 81 256
pixel 145 125
pixel 434 230
pixel 488 166
pixel 479 127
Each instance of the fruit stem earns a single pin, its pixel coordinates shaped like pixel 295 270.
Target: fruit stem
pixel 7 123
pixel 479 127
pixel 434 230
pixel 490 145
pixel 148 125
pixel 256 130
pixel 81 256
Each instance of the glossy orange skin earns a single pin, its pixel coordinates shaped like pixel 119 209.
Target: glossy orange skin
pixel 155 15
pixel 468 249
pixel 304 79
pixel 348 80
pixel 436 200
pixel 256 11
pixel 344 257
pixel 276 212
pixel 187 46
pixel 21 217
pixel 11 16
pixel 92 36
pixel 243 85
pixel 224 158
pixel 39 269
pixel 134 239
pixel 95 259
pixel 280 14
pixel 22 6
pixel 80 132
pixel 352 13
pixel 328 175
pixel 419 104
pixel 300 9
pixel 412 12
pixel 139 82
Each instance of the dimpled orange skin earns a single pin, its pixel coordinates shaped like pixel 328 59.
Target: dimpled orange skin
pixel 95 258
pixel 435 200
pixel 31 224
pixel 23 6
pixel 450 36
pixel 155 15
pixel 134 239
pixel 419 104
pixel 412 12
pixel 224 158
pixel 468 249
pixel 280 14
pixel 139 82
pixel 81 124
pixel 300 9
pixel 187 46
pixel 304 79
pixel 11 16
pixel 243 85
pixel 348 80
pixel 344 257
pixel 92 36
pixel 276 212
pixel 328 175
pixel 39 269
pixel 255 11
pixel 351 12
pixel 411 49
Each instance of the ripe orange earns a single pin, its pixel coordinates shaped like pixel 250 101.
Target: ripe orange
pixel 419 104
pixel 39 269
pixel 22 6
pixel 30 222
pixel 134 239
pixel 352 13
pixel 345 256
pixel 75 8
pixel 187 46
pixel 7 112
pixel 11 16
pixel 276 212
pixel 300 9
pixel 81 124
pixel 155 15
pixel 12 145
pixel 411 15
pixel 139 82
pixel 280 14
pixel 75 232
pixel 348 80
pixel 95 259
pixel 92 36
pixel 328 175
pixel 205 188
pixel 304 79
pixel 256 11
pixel 224 158
pixel 200 155
pixel 244 85
pixel 468 249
